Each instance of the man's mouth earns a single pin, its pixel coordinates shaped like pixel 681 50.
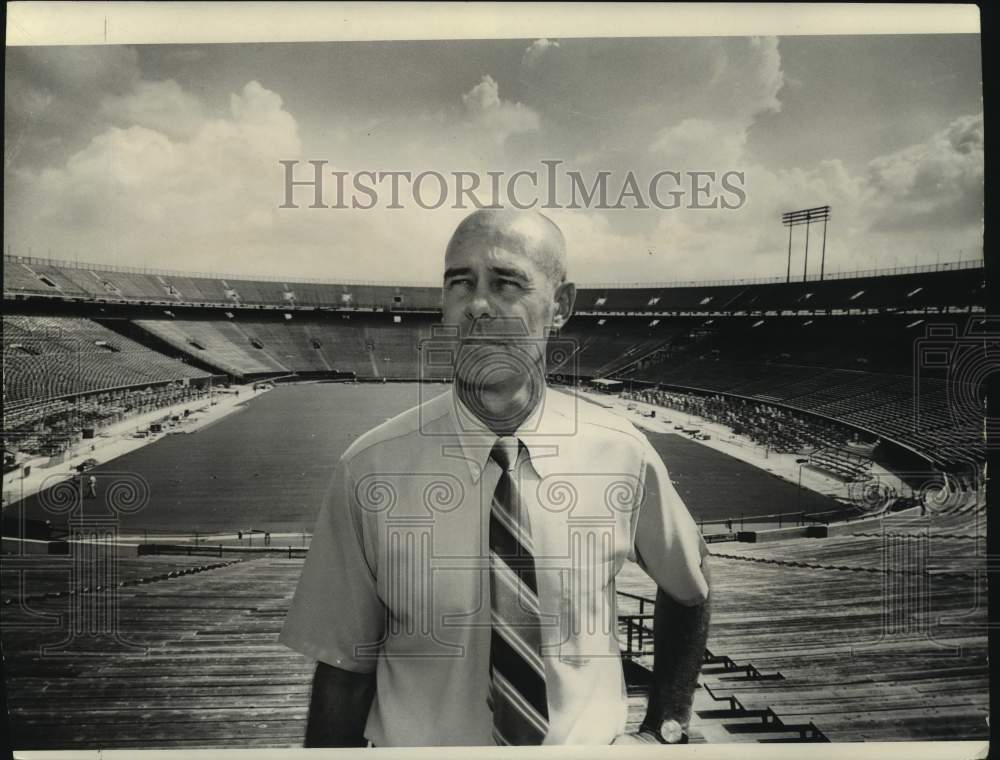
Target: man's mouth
pixel 486 340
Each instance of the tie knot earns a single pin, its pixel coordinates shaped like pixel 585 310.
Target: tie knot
pixel 505 452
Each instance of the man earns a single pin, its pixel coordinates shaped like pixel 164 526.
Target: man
pixel 459 588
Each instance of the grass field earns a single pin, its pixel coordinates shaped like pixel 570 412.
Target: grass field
pixel 716 486
pixel 267 466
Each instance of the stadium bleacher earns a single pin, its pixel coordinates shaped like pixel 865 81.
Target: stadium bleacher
pixel 960 283
pixel 877 383
pixel 252 347
pixel 217 343
pixel 590 349
pixel 954 284
pixel 906 658
pixel 208 630
pixel 810 363
pixel 51 357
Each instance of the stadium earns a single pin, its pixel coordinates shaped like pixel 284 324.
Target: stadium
pixel 168 436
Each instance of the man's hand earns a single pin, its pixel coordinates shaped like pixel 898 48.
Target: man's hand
pixel 672 732
pixel 636 737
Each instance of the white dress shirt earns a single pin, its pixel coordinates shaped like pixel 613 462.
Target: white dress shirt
pixel 396 581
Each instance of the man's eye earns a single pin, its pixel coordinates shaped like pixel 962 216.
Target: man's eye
pixel 508 284
pixel 459 283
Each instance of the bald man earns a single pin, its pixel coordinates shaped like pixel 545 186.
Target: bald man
pixel 460 584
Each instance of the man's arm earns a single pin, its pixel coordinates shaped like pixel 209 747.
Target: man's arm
pixel 672 551
pixel 338 708
pixel 679 636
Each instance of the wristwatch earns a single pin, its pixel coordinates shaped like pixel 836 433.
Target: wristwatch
pixel 671 732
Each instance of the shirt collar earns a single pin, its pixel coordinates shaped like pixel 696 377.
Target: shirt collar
pixel 541 433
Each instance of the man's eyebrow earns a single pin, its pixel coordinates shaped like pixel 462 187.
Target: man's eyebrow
pixel 510 272
pixel 456 271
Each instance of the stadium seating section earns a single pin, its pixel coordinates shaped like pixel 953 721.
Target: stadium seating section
pixel 856 359
pixel 368 350
pixel 52 357
pixel 884 383
pixel 28 276
pixel 959 283
pixel 905 658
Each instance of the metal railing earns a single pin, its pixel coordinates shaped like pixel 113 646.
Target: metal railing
pixel 246 537
pixel 637 633
pixel 154 271
pixel 782 518
pixel 947 266
pixel 217 550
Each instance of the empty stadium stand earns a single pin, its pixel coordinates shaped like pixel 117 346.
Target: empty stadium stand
pixel 727 337
pixel 368 349
pixel 208 636
pixel 889 290
pixel 880 384
pixel 52 357
pixel 904 289
pixel 590 349
pixel 221 344
pixel 905 660
pixel 27 277
pixel 196 662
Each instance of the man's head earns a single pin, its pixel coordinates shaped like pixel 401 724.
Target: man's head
pixel 505 288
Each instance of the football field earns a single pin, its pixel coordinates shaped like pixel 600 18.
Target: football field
pixel 266 467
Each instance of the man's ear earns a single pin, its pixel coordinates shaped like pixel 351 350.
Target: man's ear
pixel 565 299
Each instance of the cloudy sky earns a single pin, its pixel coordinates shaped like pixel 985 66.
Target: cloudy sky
pixel 167 156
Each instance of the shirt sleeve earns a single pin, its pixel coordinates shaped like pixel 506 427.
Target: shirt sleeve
pixel 667 542
pixel 336 615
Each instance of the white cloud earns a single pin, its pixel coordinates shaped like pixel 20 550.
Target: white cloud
pixel 159 198
pixel 160 105
pixel 499 118
pixel 768 74
pixel 910 206
pixel 473 133
pixel 484 97
pixel 743 85
pixel 536 50
pixel 746 79
pixel 701 144
pixel 937 182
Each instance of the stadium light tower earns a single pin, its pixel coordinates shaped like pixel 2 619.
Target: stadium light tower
pixel 805 216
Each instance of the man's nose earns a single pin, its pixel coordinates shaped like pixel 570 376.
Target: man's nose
pixel 479 305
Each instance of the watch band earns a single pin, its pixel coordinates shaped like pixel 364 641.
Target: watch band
pixel 644 729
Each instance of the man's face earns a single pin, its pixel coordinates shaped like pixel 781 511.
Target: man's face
pixel 502 303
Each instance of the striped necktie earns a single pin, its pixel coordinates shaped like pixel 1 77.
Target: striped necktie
pixel 517 673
